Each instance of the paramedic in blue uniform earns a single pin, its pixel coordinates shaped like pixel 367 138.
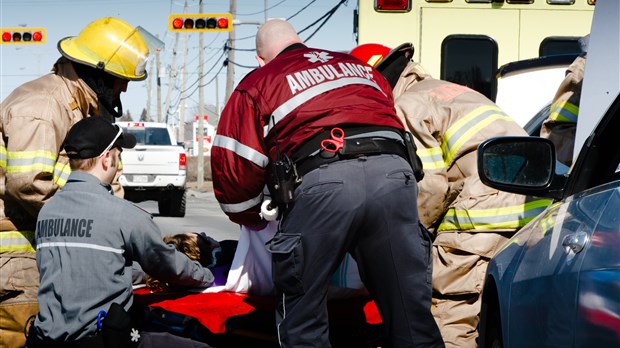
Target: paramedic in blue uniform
pixel 87 240
pixel 360 199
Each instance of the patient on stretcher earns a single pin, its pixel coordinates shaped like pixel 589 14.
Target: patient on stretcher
pixel 217 256
pixel 244 266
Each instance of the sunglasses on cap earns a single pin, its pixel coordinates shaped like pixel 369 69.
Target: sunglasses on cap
pixel 118 134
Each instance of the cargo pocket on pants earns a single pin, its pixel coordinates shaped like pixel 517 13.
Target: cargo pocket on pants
pixel 288 259
pixel 427 244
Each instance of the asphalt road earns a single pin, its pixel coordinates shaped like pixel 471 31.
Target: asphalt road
pixel 203 214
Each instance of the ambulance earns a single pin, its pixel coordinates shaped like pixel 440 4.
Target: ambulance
pixel 468 41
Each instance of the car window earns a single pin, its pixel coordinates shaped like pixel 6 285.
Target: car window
pixel 609 146
pixel 150 136
pixel 157 136
pixel 599 160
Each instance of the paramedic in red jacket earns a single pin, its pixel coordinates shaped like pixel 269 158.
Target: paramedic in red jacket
pixel 360 199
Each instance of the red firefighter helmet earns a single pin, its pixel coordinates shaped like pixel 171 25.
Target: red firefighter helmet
pixel 370 53
pixel 389 62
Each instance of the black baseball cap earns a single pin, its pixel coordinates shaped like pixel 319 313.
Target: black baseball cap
pixel 92 136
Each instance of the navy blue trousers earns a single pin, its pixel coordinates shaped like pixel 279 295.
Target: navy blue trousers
pixel 367 206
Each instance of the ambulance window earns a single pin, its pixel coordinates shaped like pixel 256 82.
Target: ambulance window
pixel 559 45
pixel 470 60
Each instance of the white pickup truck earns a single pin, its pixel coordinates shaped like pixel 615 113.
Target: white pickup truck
pixel 156 169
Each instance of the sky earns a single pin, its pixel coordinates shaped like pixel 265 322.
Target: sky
pixel 62 18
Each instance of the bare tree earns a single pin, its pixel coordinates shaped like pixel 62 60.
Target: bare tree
pixel 144 117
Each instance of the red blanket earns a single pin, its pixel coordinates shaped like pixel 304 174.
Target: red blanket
pixel 213 310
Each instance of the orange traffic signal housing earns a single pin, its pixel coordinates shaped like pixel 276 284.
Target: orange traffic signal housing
pixel 200 22
pixel 23 35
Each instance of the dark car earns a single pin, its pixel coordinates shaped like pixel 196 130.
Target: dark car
pixel 556 283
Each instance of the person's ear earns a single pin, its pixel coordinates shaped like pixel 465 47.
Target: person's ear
pixel 261 61
pixel 106 159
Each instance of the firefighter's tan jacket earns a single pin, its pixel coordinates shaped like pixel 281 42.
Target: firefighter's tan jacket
pixel 561 124
pixel 34 121
pixel 448 122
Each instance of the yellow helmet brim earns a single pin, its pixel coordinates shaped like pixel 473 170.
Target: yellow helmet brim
pixel 109 44
pixel 71 49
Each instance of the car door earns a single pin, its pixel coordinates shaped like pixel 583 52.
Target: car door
pixel 566 289
pixel 544 285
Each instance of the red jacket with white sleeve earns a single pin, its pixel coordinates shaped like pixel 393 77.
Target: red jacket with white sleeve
pixel 298 95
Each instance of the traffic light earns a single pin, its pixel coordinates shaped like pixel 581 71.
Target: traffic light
pixel 200 22
pixel 23 35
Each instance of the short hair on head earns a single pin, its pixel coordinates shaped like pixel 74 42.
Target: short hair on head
pixel 274 36
pixel 83 164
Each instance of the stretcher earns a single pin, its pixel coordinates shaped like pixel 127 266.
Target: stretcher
pixel 229 319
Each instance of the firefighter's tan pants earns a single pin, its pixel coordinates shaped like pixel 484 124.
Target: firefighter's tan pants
pixel 458 279
pixel 19 284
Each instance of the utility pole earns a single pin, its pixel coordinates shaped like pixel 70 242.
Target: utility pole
pixel 183 79
pixel 173 74
pixel 157 63
pixel 217 96
pixel 149 87
pixel 201 112
pixel 230 68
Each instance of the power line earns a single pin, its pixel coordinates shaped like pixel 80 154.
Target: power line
pixel 208 46
pixel 69 2
pixel 259 12
pixel 328 14
pixel 287 18
pixel 208 71
pixel 228 61
pixel 302 9
pixel 321 21
pixel 178 101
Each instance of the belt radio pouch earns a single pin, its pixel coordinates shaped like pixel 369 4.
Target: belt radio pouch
pixel 414 159
pixel 283 182
pixel 118 330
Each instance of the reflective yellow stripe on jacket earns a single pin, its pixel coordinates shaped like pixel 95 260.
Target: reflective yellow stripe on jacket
pixel 432 158
pixel 564 111
pixel 3 157
pixel 464 129
pixel 457 135
pixel 513 217
pixel 17 242
pixel 61 173
pixel 33 161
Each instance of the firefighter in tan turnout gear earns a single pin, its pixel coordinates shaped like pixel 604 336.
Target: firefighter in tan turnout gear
pixel 470 221
pixel 87 80
pixel 561 124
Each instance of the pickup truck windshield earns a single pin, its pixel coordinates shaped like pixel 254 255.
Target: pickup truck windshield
pixel 150 136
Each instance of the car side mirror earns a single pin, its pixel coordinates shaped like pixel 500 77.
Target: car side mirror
pixel 524 165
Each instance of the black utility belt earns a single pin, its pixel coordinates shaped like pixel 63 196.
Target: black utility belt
pixel 352 148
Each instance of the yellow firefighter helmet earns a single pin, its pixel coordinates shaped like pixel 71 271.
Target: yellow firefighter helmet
pixel 111 45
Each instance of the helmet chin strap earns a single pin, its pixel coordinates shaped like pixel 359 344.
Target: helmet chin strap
pixel 102 84
pixel 110 111
pixel 110 105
